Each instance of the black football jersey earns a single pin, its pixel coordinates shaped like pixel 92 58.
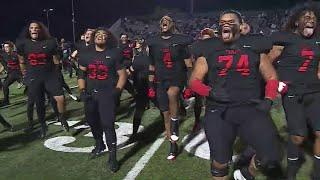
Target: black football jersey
pixel 140 63
pixel 10 62
pixel 167 55
pixel 101 67
pixel 299 60
pixel 233 69
pixel 38 55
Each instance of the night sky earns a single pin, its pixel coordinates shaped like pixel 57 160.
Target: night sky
pixel 15 14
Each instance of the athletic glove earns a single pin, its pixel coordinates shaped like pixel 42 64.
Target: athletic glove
pixel 200 88
pixel 151 90
pixel 187 93
pixel 283 88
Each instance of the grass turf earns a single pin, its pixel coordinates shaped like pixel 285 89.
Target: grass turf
pixel 23 156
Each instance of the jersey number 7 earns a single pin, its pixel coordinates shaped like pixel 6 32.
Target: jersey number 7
pixel 308 57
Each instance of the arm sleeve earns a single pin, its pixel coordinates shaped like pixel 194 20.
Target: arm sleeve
pixel 82 60
pixel 264 45
pixel 279 38
pixel 20 47
pixel 54 45
pixel 118 61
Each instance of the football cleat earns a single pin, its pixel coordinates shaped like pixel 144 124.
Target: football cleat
pixel 237 175
pixel 97 151
pixel 75 98
pixel 173 151
pixel 113 165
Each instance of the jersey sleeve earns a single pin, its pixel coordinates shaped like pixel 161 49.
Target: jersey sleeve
pixel 54 46
pixel 195 49
pixel 262 44
pixel 118 60
pixel 151 52
pixel 20 47
pixel 82 59
pixel 279 38
pixel 186 52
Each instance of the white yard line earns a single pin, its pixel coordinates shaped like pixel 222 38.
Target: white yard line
pixel 138 167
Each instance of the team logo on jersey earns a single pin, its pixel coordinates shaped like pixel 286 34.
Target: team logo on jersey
pixel 317 43
pixel 108 57
pixel 214 110
pixel 246 46
pixel 174 45
pixel 44 47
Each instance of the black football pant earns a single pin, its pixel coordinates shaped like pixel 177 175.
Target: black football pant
pixel 222 125
pixel 11 78
pixel 73 66
pixel 31 103
pixel 100 115
pixel 37 86
pixel 64 84
pixel 141 99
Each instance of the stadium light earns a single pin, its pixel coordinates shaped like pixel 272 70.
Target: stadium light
pixel 47 13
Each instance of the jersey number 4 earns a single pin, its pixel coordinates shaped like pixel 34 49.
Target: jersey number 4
pixel 242 65
pixel 308 57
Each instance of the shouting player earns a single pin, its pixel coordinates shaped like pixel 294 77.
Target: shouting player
pixel 169 61
pixel 10 60
pixel 235 66
pixel 101 80
pixel 39 62
pixel 296 52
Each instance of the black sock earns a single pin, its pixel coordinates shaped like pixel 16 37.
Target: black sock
pixel 316 167
pixel 293 150
pixel 113 152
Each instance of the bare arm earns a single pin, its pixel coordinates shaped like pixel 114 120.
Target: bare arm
pixel 270 76
pixel 122 78
pixel 1 68
pixel 266 68
pixel 200 69
pixel 151 76
pixel 56 59
pixel 275 52
pixel 188 62
pixel 22 64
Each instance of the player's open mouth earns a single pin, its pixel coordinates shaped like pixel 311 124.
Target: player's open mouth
pixel 226 33
pixel 165 26
pixel 308 29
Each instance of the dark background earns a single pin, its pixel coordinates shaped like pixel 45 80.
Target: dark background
pixel 15 14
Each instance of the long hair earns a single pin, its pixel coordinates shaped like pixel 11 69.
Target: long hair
pixel 111 39
pixel 173 28
pixel 44 33
pixel 144 47
pixel 10 43
pixel 299 11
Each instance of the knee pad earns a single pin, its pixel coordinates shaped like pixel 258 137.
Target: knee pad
pixel 215 172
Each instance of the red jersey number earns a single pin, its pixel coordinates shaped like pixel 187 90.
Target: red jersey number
pixel 308 57
pixel 242 65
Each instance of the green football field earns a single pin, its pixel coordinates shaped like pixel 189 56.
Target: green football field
pixel 64 155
